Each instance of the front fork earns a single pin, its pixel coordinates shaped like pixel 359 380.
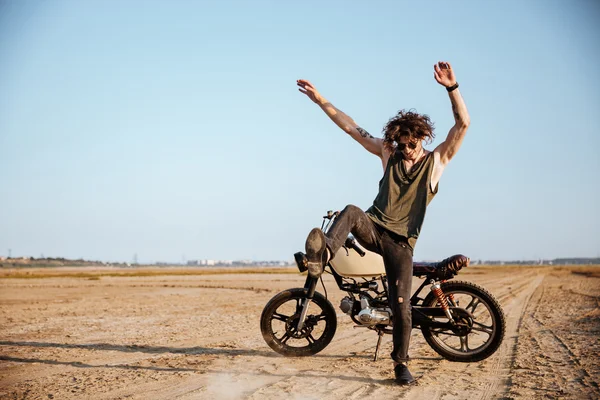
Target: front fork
pixel 310 285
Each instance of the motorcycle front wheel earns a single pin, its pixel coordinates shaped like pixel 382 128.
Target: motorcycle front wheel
pixel 472 339
pixel 279 322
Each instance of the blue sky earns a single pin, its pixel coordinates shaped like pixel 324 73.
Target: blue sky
pixel 174 129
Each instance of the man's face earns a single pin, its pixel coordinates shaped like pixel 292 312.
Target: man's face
pixel 410 147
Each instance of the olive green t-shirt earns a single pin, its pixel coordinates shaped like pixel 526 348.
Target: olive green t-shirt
pixel 403 197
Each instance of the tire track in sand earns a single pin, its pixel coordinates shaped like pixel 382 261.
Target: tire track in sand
pixel 501 364
pixel 549 354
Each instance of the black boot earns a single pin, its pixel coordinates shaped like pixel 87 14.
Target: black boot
pixel 403 375
pixel 315 252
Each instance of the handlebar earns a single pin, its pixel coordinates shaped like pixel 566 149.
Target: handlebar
pixel 331 214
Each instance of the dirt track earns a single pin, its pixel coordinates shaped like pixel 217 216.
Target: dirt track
pixel 198 337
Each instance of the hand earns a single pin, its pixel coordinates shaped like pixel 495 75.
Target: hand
pixel 443 74
pixel 308 89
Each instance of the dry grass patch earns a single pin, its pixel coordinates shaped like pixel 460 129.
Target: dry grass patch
pixel 96 274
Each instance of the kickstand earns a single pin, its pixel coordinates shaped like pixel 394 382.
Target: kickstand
pixel 380 333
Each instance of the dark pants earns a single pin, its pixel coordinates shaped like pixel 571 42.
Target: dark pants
pixel 397 257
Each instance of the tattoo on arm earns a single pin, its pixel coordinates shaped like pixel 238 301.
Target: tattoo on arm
pixel 364 133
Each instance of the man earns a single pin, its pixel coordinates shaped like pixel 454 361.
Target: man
pixel 391 226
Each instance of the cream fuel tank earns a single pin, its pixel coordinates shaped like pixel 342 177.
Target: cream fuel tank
pixel 348 263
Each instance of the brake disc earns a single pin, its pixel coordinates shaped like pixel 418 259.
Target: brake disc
pixel 292 322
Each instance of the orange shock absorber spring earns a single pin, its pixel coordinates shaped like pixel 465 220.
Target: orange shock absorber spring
pixel 441 297
pixel 451 297
pixel 437 290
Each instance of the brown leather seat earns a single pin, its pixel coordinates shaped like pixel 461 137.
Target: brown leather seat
pixel 444 269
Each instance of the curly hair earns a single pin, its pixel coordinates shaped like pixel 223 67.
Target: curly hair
pixel 407 123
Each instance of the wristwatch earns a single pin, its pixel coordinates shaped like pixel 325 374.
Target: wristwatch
pixel 451 88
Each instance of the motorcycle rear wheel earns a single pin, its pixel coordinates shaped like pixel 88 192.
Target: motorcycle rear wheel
pixel 486 329
pixel 279 321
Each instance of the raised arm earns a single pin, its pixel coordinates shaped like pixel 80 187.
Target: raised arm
pixel 347 124
pixel 444 75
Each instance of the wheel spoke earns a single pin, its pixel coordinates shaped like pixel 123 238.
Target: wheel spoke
pixel 310 339
pixel 445 340
pixel 445 332
pixel 473 305
pixel 321 317
pixel 280 317
pixel 284 338
pixel 482 328
pixel 464 343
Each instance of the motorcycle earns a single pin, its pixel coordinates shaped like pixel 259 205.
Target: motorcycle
pixel 461 321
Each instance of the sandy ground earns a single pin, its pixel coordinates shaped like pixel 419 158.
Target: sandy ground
pixel 198 337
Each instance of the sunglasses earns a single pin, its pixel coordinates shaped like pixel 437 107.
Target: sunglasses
pixel 411 145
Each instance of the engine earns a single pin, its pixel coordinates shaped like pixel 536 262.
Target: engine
pixel 365 314
pixel 347 304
